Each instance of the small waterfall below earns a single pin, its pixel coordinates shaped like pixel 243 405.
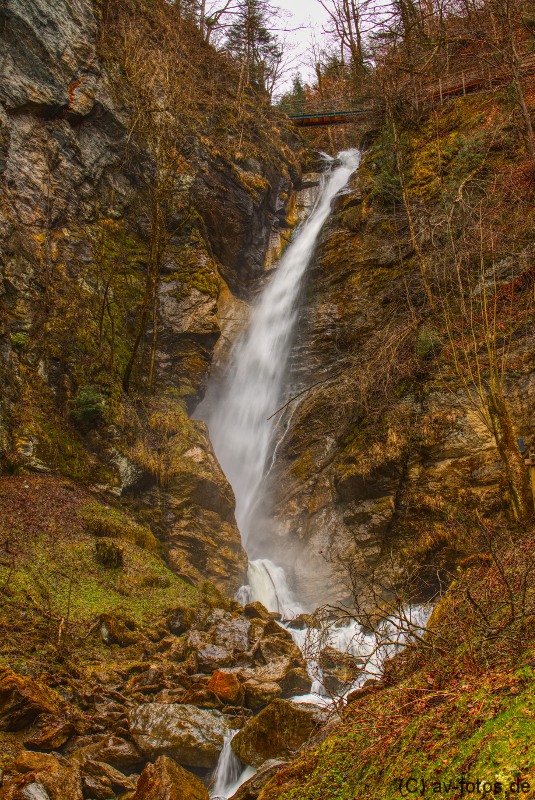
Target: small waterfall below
pixel 269 585
pixel 229 773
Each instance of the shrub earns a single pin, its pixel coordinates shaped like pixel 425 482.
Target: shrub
pixel 104 521
pixel 19 341
pixel 428 344
pixel 88 408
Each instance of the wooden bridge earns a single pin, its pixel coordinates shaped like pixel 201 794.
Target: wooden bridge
pixel 330 112
pixel 430 90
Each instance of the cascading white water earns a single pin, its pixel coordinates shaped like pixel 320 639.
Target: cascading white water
pixel 240 430
pixel 227 772
pixel 239 427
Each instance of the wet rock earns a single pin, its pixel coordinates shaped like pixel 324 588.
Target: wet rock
pixel 51 739
pixel 112 750
pixel 226 686
pixel 232 632
pixel 209 656
pixel 296 681
pixel 340 670
pixel 270 648
pixel 259 693
pixel 173 648
pixel 302 622
pixel 272 628
pixel 44 778
pixel 100 778
pixel 256 611
pixel 180 619
pixel 192 736
pixel 276 670
pixel 277 732
pixel 96 789
pixel 252 788
pixel 166 780
pixel 22 700
pixel 201 697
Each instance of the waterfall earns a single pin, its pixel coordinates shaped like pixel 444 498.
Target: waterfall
pixel 238 422
pixel 229 774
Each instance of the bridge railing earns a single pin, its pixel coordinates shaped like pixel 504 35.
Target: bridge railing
pixel 312 108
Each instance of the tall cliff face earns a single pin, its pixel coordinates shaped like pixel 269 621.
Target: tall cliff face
pixel 379 460
pixel 75 249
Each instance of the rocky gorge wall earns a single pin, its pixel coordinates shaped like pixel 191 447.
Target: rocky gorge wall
pixel 71 206
pixel 372 462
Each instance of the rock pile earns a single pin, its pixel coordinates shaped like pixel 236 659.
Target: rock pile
pixel 152 721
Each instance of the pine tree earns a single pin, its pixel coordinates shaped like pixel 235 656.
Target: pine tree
pixel 251 41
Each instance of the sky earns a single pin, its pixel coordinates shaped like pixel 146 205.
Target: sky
pixel 304 13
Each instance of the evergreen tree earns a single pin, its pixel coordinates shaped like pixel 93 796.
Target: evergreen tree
pixel 251 41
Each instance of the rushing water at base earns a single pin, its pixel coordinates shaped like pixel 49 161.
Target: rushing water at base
pixel 228 772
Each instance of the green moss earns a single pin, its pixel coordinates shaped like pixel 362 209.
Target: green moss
pixel 102 520
pixel 70 580
pixel 19 341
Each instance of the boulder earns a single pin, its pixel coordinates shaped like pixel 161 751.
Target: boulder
pixel 211 657
pixel 201 696
pixel 232 633
pixel 296 681
pixel 256 611
pixel 251 789
pixel 302 622
pixel 180 619
pixel 274 647
pixel 106 776
pixel 276 670
pixel 192 736
pixel 226 686
pixel 259 693
pixel 340 670
pixel 174 648
pixel 44 778
pixel 208 656
pixel 22 700
pixel 166 780
pixel 277 732
pixel 111 750
pixel 51 738
pixel 272 628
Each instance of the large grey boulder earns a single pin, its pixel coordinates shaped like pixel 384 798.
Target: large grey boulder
pixel 191 736
pixel 277 732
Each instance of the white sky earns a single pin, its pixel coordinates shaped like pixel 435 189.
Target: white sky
pixel 307 13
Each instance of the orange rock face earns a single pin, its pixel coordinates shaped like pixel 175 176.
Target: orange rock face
pixel 226 686
pixel 22 700
pixel 167 780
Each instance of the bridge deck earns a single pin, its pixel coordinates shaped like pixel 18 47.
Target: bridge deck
pixel 334 112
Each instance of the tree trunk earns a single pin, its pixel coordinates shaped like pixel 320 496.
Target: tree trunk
pixel 154 336
pixel 513 461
